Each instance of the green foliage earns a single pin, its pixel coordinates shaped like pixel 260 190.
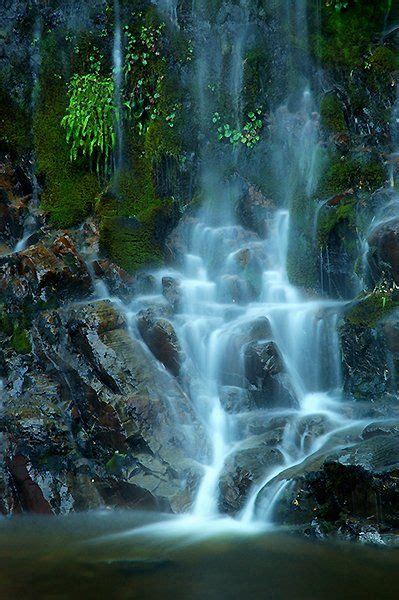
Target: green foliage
pixel 90 119
pixel 248 135
pixel 143 72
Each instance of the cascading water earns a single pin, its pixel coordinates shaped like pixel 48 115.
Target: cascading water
pixel 236 305
pixel 117 56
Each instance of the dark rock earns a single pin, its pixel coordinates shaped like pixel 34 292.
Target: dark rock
pixel 52 273
pixel 118 281
pixel 245 468
pixel 235 399
pixel 161 339
pixel 254 209
pixel 383 257
pixel 265 372
pixel 172 292
pixel 357 484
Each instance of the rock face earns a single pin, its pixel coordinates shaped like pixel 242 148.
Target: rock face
pixel 246 468
pixel 93 422
pixel 370 354
pixel 253 209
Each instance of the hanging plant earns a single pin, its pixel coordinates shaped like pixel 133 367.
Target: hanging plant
pixel 90 119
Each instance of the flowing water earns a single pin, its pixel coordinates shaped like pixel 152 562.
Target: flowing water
pixel 232 282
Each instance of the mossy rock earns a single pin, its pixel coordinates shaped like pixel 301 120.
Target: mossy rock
pixel 20 340
pixel 331 216
pixel 347 172
pixel 15 127
pixel 372 308
pixel 332 114
pixel 134 243
pixel 69 191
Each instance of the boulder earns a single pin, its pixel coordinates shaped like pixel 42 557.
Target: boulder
pixel 161 339
pixel 254 209
pixel 117 280
pixel 266 375
pixel 356 484
pixel 255 459
pixel 172 292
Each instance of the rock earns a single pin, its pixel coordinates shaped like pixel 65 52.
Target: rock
pixel 44 273
pixel 235 399
pixel 244 469
pixel 368 363
pixel 172 292
pixel 117 280
pixel 383 257
pixel 357 484
pixel 161 339
pixel 254 209
pixel 265 372
pixel 128 418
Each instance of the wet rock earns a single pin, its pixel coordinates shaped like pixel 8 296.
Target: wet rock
pixel 128 418
pixel 244 469
pixel 44 273
pixel 368 365
pixel 383 257
pixel 254 209
pixel 117 280
pixel 265 372
pixel 161 339
pixel 234 289
pixel 356 484
pixel 172 291
pixel 235 399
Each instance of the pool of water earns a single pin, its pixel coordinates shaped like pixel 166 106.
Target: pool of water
pixel 136 555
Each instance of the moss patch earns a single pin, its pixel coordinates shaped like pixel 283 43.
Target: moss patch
pixel 331 216
pixel 20 340
pixel 344 173
pixel 332 114
pixel 370 309
pixel 69 191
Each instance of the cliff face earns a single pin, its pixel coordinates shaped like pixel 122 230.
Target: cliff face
pixel 85 414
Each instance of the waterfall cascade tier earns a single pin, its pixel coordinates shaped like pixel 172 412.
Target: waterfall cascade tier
pixel 235 303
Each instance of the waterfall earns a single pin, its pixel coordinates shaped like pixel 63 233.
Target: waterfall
pixel 236 302
pixel 117 56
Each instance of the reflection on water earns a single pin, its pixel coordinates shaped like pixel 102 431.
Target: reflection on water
pixel 136 555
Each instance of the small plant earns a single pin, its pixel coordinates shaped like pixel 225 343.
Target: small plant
pixel 90 119
pixel 337 4
pixel 143 78
pixel 249 134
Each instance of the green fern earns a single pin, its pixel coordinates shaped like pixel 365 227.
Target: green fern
pixel 90 120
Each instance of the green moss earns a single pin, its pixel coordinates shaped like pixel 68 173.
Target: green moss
pixel 331 216
pixel 332 114
pixel 348 34
pixel 370 309
pixel 301 260
pixel 20 340
pixel 132 243
pixel 347 172
pixel 69 191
